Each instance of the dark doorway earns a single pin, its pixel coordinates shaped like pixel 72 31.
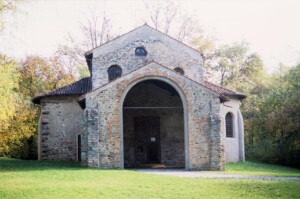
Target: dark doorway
pixel 79 148
pixel 153 126
pixel 147 140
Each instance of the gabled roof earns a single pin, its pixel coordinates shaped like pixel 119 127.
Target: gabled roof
pixel 75 89
pixel 143 32
pixel 223 91
pixel 84 86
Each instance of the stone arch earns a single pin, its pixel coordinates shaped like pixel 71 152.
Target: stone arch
pixel 185 114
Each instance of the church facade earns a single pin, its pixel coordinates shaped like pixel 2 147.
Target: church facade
pixel 145 103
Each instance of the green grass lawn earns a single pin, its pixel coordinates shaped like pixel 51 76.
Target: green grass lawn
pixel 252 168
pixel 33 179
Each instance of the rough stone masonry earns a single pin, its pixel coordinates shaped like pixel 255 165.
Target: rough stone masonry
pixel 146 102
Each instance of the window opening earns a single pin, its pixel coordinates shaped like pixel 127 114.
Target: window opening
pixel 114 72
pixel 179 70
pixel 140 51
pixel 229 125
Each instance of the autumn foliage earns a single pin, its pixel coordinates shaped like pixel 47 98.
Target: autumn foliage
pixel 19 83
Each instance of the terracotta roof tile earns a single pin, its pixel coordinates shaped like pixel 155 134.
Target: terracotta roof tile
pixel 223 91
pixel 85 85
pixel 75 89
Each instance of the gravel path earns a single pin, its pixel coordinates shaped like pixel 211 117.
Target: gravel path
pixel 205 174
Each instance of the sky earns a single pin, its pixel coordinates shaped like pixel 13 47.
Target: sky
pixel 270 27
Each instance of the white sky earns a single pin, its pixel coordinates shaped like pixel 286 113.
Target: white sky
pixel 271 27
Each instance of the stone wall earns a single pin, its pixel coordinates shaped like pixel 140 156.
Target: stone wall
pixel 159 49
pixel 90 139
pixel 60 124
pixel 203 137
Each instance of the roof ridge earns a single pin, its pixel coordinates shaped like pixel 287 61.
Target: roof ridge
pixel 144 25
pixel 90 51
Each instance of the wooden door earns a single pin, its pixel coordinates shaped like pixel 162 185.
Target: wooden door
pixel 147 140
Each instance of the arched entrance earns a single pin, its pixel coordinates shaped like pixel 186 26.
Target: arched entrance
pixel 154 127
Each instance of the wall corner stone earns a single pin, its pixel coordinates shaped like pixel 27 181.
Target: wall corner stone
pixel 90 139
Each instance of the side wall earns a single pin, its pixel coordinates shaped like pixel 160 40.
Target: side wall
pixel 234 146
pixel 60 125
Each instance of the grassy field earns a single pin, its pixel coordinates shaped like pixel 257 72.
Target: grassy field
pixel 252 168
pixel 32 179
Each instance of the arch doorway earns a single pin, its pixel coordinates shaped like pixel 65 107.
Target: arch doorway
pixel 153 126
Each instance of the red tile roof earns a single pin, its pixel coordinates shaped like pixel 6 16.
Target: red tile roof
pixel 223 91
pixel 85 85
pixel 75 89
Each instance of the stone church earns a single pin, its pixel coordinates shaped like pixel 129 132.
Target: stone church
pixel 146 102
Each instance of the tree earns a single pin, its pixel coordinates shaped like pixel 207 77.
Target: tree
pixel 71 56
pixel 6 7
pixel 8 84
pixel 17 118
pixel 29 78
pixel 96 30
pixel 8 75
pixel 168 18
pixel 21 127
pixel 271 109
pixel 39 75
pixel 274 125
pixel 230 64
pixel 162 14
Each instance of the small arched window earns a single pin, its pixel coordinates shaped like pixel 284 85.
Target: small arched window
pixel 114 72
pixel 140 51
pixel 179 70
pixel 229 125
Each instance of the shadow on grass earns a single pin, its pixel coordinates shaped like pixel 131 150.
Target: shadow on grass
pixel 16 165
pixel 11 165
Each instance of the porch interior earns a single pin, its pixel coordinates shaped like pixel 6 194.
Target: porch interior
pixel 153 127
